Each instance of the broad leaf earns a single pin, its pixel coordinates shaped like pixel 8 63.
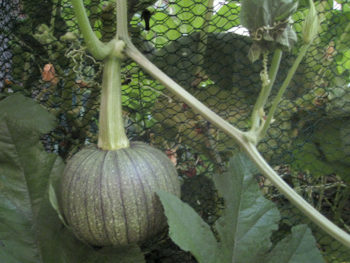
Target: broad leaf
pixel 25 113
pixel 24 171
pixel 245 228
pixel 30 230
pixel 249 219
pixel 299 246
pixel 187 229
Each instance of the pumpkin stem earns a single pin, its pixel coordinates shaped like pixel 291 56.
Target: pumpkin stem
pixel 111 134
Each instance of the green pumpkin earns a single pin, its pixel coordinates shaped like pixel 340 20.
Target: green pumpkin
pixel 108 197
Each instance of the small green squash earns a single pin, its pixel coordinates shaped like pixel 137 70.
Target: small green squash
pixel 108 197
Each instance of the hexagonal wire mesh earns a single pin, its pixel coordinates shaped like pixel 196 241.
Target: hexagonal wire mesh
pixel 205 51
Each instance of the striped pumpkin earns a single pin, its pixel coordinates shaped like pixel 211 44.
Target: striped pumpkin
pixel 108 197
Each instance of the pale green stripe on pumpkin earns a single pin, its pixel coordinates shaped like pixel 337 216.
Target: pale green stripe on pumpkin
pixel 103 196
pixel 69 193
pixel 82 221
pixel 142 192
pixel 88 199
pixel 162 179
pixel 174 179
pixel 148 178
pixel 166 183
pixel 116 213
pixel 169 169
pixel 114 217
pixel 127 197
pixel 133 200
pixel 71 166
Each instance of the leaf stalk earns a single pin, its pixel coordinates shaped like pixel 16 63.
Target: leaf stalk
pixel 111 135
pixel 282 90
pixel 263 96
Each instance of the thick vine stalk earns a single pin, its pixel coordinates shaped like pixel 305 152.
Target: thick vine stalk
pixel 111 135
pixel 239 137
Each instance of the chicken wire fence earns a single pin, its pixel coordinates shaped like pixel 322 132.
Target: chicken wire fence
pixel 204 49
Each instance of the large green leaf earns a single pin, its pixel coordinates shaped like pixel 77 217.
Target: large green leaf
pixel 30 230
pixel 245 228
pixel 24 171
pixel 23 112
pixel 188 230
pixel 249 219
pixel 299 246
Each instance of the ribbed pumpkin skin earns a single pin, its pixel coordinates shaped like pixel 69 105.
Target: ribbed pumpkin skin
pixel 108 197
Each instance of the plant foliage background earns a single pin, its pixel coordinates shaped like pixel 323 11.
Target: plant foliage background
pixel 206 51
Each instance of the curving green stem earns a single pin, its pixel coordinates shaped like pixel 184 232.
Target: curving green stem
pixel 96 47
pixel 307 209
pixel 111 135
pixel 265 93
pixel 122 21
pixel 282 89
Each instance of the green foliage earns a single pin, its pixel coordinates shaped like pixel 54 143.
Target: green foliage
pixel 297 247
pixel 188 230
pixel 318 193
pixel 19 110
pixel 224 62
pixel 327 151
pixel 268 22
pixel 244 231
pixel 30 230
pixel 250 218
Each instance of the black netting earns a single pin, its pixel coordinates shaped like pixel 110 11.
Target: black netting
pixel 42 55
